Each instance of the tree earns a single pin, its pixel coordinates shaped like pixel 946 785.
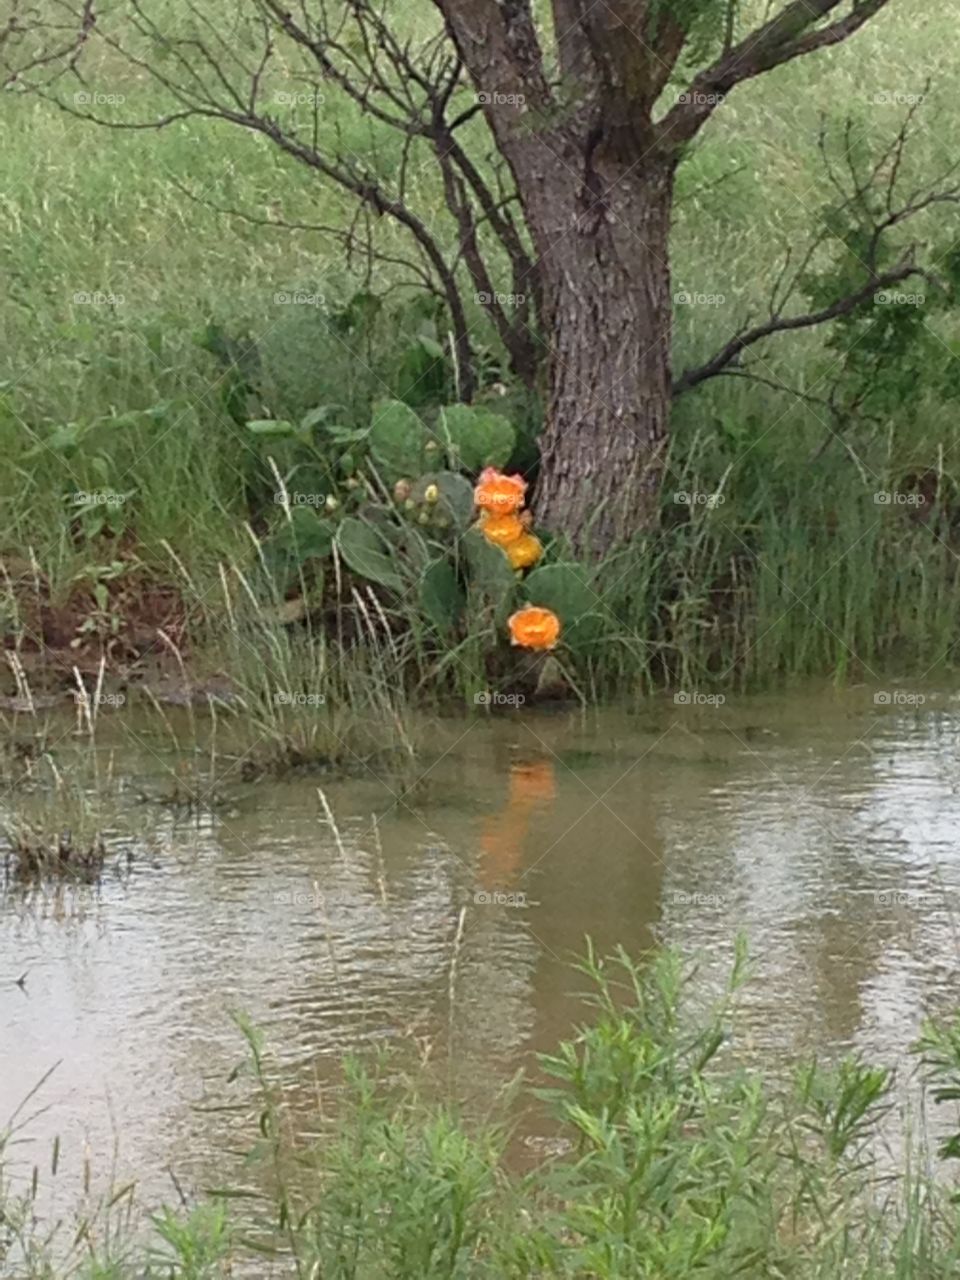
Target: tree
pixel 563 231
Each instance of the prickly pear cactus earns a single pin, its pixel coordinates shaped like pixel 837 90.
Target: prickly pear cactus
pixel 306 536
pixel 491 578
pixel 454 496
pixel 565 589
pixel 367 553
pixel 442 598
pixel 398 440
pixel 476 437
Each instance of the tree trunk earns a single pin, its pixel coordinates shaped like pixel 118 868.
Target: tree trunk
pixel 607 313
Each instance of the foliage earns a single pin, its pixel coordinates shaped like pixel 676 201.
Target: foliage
pixel 403 526
pixel 477 438
pixel 367 553
pixel 672 1157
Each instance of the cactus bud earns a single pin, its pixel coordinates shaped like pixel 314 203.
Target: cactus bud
pixel 401 490
pixel 431 494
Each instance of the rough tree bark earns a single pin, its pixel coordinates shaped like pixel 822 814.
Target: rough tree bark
pixel 595 181
pixel 607 311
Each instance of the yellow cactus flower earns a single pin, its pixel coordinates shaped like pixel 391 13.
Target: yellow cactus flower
pixel 431 494
pixel 502 530
pixel 525 552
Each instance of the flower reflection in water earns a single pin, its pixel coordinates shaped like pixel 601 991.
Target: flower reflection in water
pixel 532 787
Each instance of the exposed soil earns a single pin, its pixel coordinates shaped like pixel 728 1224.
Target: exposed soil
pixel 117 624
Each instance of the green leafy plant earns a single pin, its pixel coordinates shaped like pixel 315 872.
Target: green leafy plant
pixel 564 588
pixel 672 1154
pixel 367 552
pixel 477 437
pixel 399 440
pixel 938 1048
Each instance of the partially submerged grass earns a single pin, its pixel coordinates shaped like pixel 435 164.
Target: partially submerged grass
pixel 54 822
pixel 307 696
pixel 669 1156
pixel 53 819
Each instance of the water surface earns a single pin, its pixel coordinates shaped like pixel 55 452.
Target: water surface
pixel 442 919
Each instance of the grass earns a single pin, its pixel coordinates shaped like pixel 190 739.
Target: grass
pixel 670 1157
pixel 797 572
pixel 295 704
pixel 303 703
pixel 55 819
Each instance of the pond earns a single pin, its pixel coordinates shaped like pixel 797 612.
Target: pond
pixel 823 824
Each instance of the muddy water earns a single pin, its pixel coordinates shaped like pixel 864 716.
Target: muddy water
pixel 822 824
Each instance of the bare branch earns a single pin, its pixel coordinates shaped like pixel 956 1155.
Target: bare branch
pixel 60 47
pixel 785 36
pixel 868 199
pixel 786 324
pixel 206 78
pixel 347 236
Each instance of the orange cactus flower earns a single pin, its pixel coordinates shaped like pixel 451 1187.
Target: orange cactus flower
pixel 502 530
pixel 534 628
pixel 499 493
pixel 526 551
